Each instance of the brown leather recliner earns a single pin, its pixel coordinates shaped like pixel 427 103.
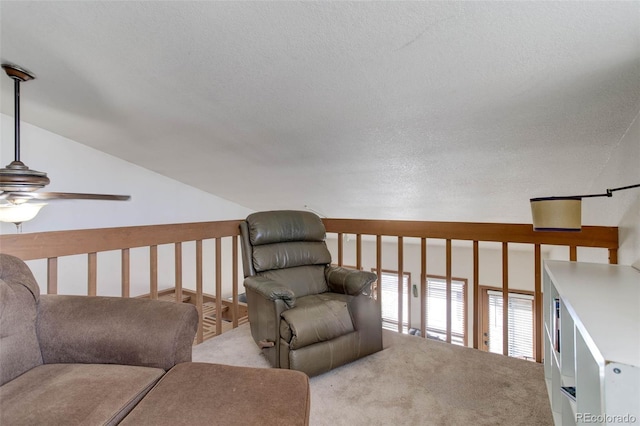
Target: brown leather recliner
pixel 305 314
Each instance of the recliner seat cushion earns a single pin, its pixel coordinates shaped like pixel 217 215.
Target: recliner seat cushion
pixel 75 394
pixel 316 318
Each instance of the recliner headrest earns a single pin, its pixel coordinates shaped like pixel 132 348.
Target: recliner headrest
pixel 284 226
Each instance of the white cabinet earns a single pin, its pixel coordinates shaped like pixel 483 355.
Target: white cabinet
pixel 592 342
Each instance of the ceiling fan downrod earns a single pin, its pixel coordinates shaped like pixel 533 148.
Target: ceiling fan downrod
pixel 16 176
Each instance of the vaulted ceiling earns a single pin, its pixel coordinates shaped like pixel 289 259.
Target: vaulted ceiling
pixel 393 110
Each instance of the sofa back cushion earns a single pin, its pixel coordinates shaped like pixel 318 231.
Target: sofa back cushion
pixel 19 294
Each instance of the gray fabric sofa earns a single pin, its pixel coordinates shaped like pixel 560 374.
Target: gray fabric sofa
pixel 82 360
pixel 77 360
pixel 305 314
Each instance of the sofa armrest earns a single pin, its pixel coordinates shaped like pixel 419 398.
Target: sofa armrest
pixel 348 281
pixel 271 290
pixel 113 330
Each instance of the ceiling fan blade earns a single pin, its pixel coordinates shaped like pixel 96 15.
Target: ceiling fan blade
pixel 15 196
pixel 77 196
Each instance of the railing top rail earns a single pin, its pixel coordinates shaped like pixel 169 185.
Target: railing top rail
pixel 590 236
pixel 42 245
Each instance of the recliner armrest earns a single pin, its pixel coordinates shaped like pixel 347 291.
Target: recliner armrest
pixel 348 281
pixel 114 330
pixel 271 290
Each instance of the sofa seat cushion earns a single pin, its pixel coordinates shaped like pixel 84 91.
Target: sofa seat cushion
pixel 195 393
pixel 316 318
pixel 75 394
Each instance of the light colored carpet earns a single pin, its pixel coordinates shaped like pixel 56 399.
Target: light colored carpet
pixel 413 381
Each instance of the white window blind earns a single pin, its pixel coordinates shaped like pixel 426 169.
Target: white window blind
pixel 436 310
pixel 389 301
pixel 520 311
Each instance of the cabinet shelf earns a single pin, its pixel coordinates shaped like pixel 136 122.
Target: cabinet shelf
pixel 592 312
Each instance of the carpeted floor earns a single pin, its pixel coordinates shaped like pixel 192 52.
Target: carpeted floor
pixel 413 381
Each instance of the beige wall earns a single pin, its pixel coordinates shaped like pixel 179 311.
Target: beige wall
pixel 623 209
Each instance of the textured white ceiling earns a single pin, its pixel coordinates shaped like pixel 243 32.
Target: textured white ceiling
pixel 395 110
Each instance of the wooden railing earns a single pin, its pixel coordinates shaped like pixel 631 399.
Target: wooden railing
pixel 54 245
pixel 476 233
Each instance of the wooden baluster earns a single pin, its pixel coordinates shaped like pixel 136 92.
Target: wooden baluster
pixel 505 299
pixel 400 280
pixel 379 268
pixel 477 332
pixel 153 271
pixel 125 273
pixel 200 333
pixel 613 256
pixel 340 249
pixel 178 271
pixel 573 253
pixel 92 274
pixel 52 275
pixel 448 292
pixel 359 252
pixel 218 286
pixel 538 325
pixel 423 287
pixel 234 281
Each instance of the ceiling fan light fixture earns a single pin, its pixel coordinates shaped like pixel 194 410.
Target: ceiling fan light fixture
pixel 19 213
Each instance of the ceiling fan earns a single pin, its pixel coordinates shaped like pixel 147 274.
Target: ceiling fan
pixel 18 182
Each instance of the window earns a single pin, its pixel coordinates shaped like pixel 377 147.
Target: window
pixel 389 300
pixel 436 310
pixel 520 334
